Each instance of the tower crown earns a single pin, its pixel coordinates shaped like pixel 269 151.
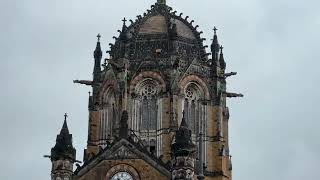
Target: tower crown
pixel 163 26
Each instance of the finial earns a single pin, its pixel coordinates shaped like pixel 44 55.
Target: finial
pixel 124 21
pixel 99 36
pixel 65 116
pixel 221 48
pixel 65 129
pixel 215 30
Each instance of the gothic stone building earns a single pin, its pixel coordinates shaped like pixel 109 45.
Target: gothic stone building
pixel 157 109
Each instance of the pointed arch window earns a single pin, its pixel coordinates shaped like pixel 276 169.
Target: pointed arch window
pixel 192 107
pixel 146 108
pixel 196 112
pixel 108 117
pixel 149 107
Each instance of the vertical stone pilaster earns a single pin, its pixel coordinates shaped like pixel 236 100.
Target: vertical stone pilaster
pixel 93 132
pixel 166 124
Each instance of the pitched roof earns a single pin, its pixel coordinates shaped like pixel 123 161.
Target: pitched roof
pixel 124 149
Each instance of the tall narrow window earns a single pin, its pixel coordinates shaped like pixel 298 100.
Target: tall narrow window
pixel 107 117
pixel 196 113
pixel 192 106
pixel 149 107
pixel 146 114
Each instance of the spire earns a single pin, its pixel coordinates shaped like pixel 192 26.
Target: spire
pixel 183 122
pixel 221 59
pixel 123 35
pixel 161 2
pixel 183 153
pixel 183 145
pixel 97 51
pixel 63 148
pixel 215 45
pixel 65 129
pixel 97 60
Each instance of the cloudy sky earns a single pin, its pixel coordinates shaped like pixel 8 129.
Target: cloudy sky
pixel 272 44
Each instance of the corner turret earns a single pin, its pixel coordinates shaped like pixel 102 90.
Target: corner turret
pixel 183 153
pixel 63 155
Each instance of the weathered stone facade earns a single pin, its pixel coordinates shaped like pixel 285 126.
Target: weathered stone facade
pixel 158 68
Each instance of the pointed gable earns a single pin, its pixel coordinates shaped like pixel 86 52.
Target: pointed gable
pixel 121 152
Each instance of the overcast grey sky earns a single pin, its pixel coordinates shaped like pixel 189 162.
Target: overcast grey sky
pixel 272 44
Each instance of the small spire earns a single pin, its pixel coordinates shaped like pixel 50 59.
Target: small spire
pixel 65 129
pixel 215 45
pixel 183 145
pixel 97 54
pixel 183 121
pixel 123 35
pixel 63 148
pixel 221 59
pixel 97 51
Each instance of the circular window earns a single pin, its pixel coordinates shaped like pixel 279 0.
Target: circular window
pixel 122 172
pixel 122 176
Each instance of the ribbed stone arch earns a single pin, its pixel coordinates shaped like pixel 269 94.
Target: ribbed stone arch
pixel 195 79
pixel 144 75
pixel 105 86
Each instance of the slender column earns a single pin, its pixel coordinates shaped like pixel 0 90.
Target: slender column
pixel 200 176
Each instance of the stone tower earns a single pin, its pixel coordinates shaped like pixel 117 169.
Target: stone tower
pixel 157 68
pixel 63 155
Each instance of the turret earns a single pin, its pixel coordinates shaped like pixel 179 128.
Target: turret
pixel 183 150
pixel 63 155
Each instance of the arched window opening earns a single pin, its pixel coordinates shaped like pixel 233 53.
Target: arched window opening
pixel 192 106
pixel 149 107
pixel 146 114
pixel 108 117
pixel 196 113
